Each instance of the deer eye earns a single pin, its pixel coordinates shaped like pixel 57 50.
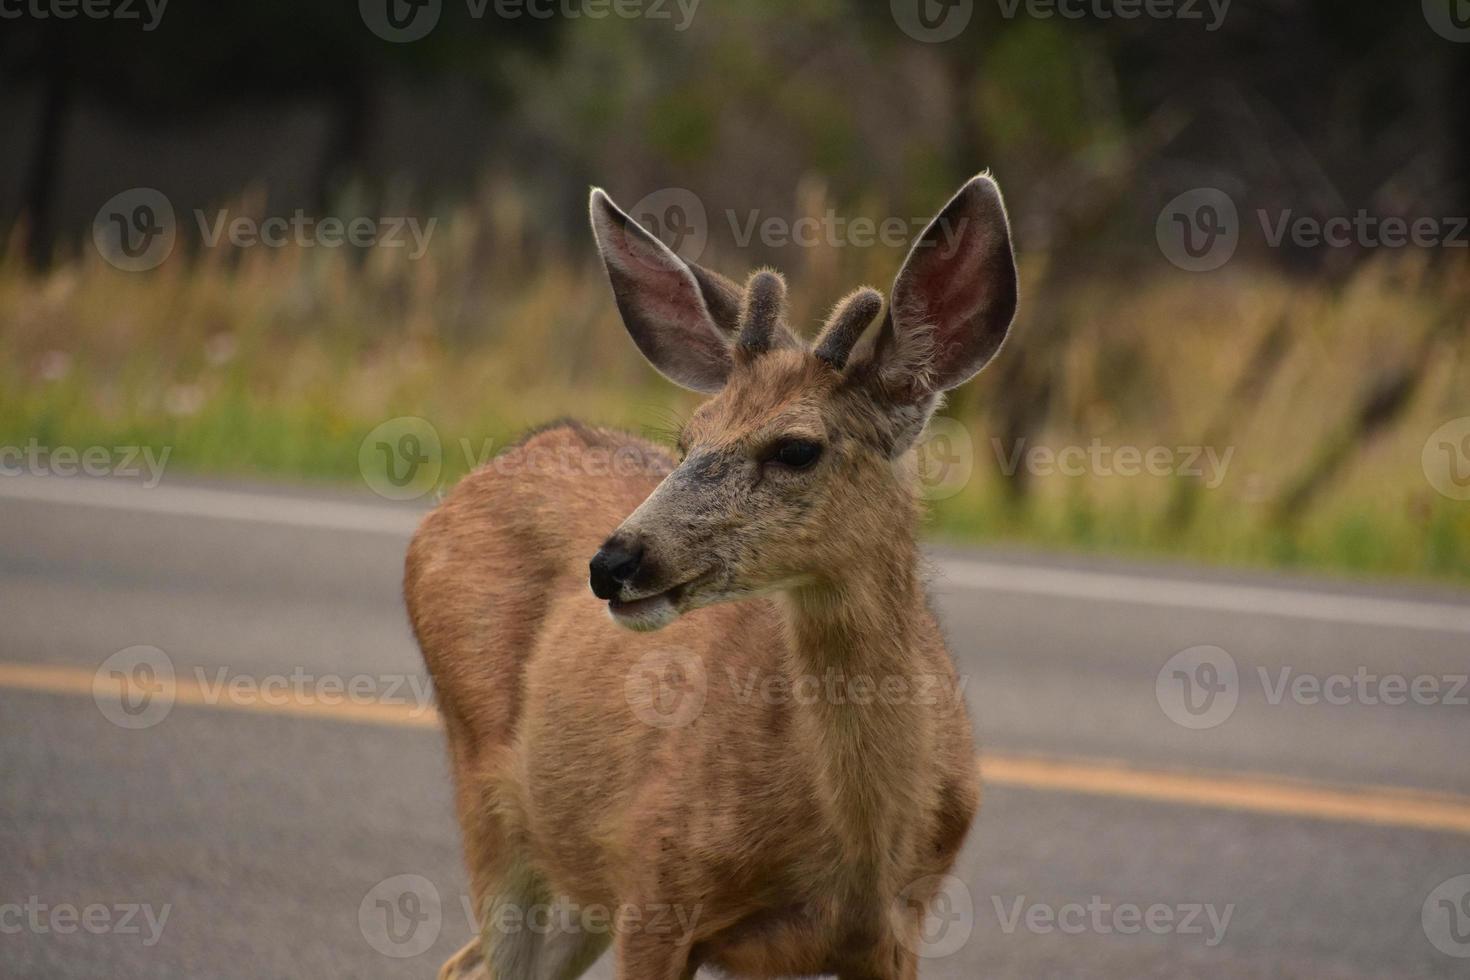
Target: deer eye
pixel 797 454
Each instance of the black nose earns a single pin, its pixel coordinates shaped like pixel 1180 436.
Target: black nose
pixel 614 564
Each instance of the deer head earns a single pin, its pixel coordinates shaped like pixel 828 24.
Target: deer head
pixel 794 467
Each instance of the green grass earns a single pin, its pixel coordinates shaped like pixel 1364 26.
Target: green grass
pixel 279 363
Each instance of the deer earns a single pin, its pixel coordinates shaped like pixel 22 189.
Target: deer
pixel 682 697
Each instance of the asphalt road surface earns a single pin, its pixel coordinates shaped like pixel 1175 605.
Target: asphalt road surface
pixel 1188 774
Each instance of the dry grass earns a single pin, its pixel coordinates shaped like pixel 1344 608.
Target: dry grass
pixel 278 362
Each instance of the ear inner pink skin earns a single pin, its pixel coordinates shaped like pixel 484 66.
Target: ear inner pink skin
pixel 660 300
pixel 958 285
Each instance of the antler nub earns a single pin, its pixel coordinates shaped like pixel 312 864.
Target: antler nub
pixel 765 298
pixel 850 317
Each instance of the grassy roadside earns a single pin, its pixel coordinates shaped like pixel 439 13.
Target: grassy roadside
pixel 1305 409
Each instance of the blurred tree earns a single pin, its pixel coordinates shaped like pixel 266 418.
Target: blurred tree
pixel 1309 106
pixel 1313 105
pixel 200 59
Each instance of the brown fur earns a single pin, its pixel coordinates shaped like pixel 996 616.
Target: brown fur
pixel 791 831
pixel 796 817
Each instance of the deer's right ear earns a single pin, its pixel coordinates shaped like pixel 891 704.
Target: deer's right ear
pixel 679 315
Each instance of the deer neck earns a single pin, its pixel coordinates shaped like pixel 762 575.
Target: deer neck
pixel 853 647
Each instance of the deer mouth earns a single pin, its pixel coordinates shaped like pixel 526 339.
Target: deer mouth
pixel 648 613
pixel 654 611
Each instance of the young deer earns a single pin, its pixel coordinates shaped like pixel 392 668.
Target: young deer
pixel 795 811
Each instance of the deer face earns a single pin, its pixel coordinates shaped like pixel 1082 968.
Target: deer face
pixel 795 461
pixel 768 465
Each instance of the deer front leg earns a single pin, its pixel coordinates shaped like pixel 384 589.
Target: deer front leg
pixel 641 956
pixel 907 968
pixel 897 961
pixel 467 964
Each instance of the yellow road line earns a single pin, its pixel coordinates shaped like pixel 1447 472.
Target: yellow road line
pixel 54 679
pixel 1385 806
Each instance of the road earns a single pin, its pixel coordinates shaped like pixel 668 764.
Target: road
pixel 1297 823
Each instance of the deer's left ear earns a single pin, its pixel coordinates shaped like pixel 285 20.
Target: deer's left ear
pixel 953 300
